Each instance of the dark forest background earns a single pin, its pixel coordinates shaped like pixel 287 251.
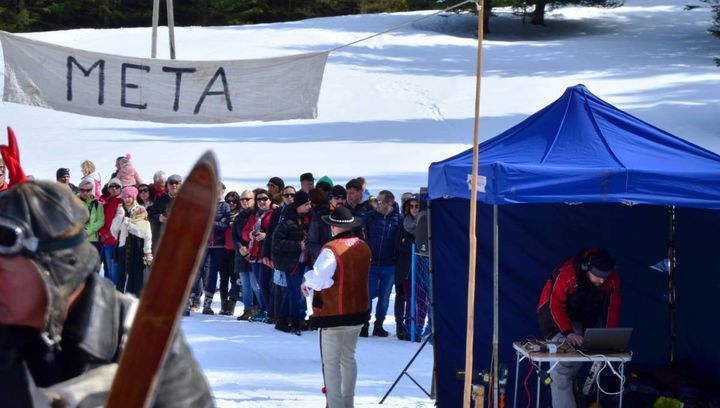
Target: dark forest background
pixel 45 15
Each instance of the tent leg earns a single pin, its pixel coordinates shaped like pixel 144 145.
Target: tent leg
pixel 496 306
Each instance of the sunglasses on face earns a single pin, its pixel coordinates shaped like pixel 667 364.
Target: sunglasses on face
pixel 113 186
pixel 173 183
pixel 414 206
pixel 85 190
pixel 143 190
pixel 262 198
pixel 289 195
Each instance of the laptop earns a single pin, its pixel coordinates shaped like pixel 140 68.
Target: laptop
pixel 606 340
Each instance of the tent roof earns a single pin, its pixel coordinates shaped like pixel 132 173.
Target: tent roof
pixel 582 149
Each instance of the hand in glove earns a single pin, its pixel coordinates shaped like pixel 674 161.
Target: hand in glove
pixel 148 259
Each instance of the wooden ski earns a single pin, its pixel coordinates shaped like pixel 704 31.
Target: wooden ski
pixel 166 291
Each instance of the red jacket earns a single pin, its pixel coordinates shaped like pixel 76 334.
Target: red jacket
pixel 104 234
pixel 255 247
pixel 568 296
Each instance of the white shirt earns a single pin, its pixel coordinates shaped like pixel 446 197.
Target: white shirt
pixel 320 276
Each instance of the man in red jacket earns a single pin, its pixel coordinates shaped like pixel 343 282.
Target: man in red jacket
pixel 582 292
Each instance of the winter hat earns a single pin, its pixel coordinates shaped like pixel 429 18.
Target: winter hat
pixel 174 179
pixel 325 183
pixel 129 191
pixel 301 198
pixel 114 182
pixel 599 263
pixel 62 172
pixel 51 220
pixel 338 191
pixel 278 182
pixel 126 159
pixel 307 177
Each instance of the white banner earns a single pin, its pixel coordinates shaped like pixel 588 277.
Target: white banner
pixel 169 91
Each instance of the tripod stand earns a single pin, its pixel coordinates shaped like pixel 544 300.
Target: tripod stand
pixel 405 372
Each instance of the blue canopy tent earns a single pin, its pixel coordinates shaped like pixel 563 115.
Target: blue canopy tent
pixel 628 175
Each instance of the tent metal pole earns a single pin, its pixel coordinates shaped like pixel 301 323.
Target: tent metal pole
pixel 467 391
pixel 496 305
pixel 671 282
pixel 155 18
pixel 171 26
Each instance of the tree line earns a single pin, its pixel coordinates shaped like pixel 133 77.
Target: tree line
pixel 46 15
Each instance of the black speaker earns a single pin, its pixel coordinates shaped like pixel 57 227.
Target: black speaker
pixel 422 233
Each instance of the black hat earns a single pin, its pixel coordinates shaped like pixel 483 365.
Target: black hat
pixel 599 263
pixel 338 191
pixel 62 172
pixel 301 198
pixel 354 183
pixel 278 182
pixel 307 177
pixel 342 217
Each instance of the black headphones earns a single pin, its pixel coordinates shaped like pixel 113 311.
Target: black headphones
pixel 586 258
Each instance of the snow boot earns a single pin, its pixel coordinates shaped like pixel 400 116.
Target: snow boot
pixel 223 307
pixel 246 314
pixel 231 307
pixel 379 331
pixel 401 333
pixel 296 328
pixel 207 306
pixel 364 331
pixel 194 302
pixel 282 325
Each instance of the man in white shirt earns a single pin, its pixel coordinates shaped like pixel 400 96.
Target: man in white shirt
pixel 339 280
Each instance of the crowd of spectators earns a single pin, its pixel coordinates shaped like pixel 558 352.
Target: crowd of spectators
pixel 261 244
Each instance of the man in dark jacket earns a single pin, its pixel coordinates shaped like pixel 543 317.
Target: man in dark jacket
pixel 207 274
pixel 319 232
pixel 289 257
pixel 158 212
pixel 340 304
pixel 382 227
pixel 59 320
pixel 582 292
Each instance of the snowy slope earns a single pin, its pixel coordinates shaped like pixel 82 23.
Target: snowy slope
pixel 388 108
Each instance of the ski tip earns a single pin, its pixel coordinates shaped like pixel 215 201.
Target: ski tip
pixel 208 158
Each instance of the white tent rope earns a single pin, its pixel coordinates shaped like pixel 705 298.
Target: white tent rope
pixel 402 25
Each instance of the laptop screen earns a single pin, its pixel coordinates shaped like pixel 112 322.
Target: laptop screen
pixel 607 339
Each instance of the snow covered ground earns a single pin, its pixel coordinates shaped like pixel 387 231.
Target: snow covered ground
pixel 388 108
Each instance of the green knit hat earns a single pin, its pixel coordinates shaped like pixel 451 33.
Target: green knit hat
pixel 327 180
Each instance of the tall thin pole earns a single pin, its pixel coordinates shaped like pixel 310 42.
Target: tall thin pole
pixel 473 220
pixel 155 18
pixel 671 282
pixel 171 27
pixel 496 306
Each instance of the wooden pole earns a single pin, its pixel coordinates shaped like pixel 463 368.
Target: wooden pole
pixel 155 18
pixel 171 27
pixel 473 221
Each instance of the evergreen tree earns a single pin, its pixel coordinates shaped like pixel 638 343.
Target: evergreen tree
pixel 538 16
pixel 715 28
